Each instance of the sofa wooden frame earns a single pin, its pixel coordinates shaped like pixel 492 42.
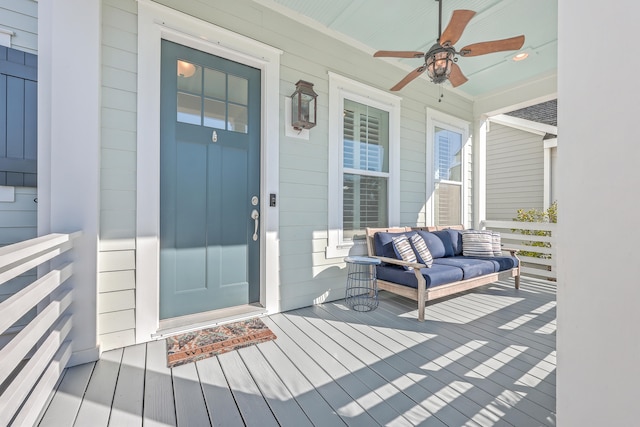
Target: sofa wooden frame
pixel 422 294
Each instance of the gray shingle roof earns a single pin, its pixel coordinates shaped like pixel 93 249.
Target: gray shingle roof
pixel 545 112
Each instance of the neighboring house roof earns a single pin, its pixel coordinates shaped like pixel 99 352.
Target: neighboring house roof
pixel 545 112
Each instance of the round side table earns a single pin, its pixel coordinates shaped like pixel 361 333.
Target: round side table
pixel 362 290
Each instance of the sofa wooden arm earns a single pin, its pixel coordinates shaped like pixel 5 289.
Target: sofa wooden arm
pixel 395 261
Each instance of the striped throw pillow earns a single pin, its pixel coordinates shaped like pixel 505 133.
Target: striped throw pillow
pixel 496 243
pixel 421 250
pixel 477 243
pixel 403 250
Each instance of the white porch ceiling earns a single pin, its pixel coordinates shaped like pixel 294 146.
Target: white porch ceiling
pixel 413 25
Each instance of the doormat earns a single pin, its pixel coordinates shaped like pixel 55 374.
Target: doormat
pixel 197 345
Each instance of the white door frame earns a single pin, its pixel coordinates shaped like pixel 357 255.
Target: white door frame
pixel 156 22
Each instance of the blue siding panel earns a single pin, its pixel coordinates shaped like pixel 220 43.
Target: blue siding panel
pixel 18 118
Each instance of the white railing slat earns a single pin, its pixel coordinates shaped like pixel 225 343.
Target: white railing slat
pixel 20 303
pixel 538 272
pixel 538 249
pixel 16 349
pixel 30 411
pixel 8 272
pixel 532 260
pixel 20 251
pixel 15 394
pixel 526 237
pixel 532 226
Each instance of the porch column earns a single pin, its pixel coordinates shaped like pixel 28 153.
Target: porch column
pixel 480 171
pixel 69 149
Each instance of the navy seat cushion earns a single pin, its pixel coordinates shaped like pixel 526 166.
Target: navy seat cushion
pixel 502 263
pixel 478 266
pixel 434 243
pixel 383 243
pixel 470 267
pixel 436 275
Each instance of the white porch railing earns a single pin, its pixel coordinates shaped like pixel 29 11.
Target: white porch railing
pixel 33 360
pixel 543 264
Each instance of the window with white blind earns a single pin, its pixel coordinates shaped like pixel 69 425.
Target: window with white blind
pixel 365 168
pixel 363 164
pixel 448 136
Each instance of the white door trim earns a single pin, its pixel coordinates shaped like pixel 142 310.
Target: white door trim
pixel 156 22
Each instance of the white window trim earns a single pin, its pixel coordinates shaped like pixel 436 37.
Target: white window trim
pixel 442 120
pixel 341 88
pixel 156 22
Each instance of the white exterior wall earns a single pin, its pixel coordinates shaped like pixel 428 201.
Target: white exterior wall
pixel 19 24
pixel 306 276
pixel 598 294
pixel 116 262
pixel 515 172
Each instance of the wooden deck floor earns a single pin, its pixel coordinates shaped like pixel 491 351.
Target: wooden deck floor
pixel 483 358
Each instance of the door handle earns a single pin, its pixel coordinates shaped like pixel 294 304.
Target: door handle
pixel 255 217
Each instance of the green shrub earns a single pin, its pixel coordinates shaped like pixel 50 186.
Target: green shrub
pixel 534 215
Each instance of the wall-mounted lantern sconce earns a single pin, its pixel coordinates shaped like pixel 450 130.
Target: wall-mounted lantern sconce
pixel 303 106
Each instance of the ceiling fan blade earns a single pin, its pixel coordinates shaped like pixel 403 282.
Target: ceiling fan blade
pixel 409 77
pixel 459 21
pixel 456 78
pixel 399 54
pixel 482 48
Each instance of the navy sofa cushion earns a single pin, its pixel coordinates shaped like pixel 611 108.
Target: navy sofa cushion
pixel 470 267
pixel 446 241
pixel 383 243
pixel 434 243
pixel 456 240
pixel 436 275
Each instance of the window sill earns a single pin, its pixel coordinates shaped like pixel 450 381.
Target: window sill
pixel 359 247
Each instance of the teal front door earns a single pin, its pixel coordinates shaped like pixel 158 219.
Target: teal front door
pixel 209 183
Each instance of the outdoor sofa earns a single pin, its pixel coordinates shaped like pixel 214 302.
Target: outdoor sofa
pixel 450 272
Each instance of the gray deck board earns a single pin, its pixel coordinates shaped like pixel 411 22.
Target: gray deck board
pixel 159 405
pixel 253 407
pixel 483 358
pixel 64 405
pixel 129 395
pixel 96 404
pixel 189 400
pixel 220 402
pixel 278 397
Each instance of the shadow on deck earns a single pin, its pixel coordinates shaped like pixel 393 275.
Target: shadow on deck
pixel 486 357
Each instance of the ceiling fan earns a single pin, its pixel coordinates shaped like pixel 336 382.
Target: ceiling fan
pixel 440 59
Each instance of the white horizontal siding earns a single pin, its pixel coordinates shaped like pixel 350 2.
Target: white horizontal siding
pixel 21 17
pixel 116 278
pixel 515 172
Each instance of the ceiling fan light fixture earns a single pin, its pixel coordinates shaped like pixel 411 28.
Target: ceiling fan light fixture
pixel 439 62
pixel 520 56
